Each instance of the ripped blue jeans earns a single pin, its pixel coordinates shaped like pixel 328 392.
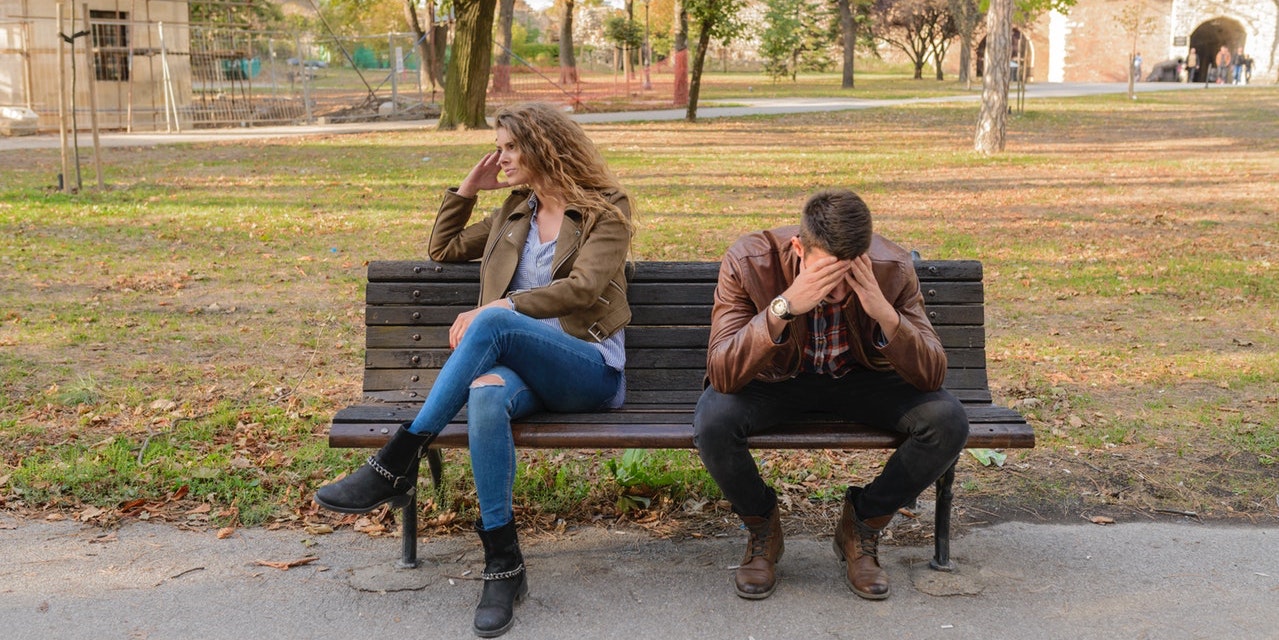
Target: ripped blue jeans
pixel 540 369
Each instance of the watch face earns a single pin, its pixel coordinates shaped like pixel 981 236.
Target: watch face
pixel 779 307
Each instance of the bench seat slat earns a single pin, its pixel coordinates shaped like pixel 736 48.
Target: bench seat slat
pixel 670 429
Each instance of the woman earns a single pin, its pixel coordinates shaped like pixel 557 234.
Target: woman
pixel 548 334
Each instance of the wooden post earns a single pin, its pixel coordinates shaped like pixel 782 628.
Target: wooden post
pixel 170 99
pixel 62 106
pixel 26 63
pixel 90 79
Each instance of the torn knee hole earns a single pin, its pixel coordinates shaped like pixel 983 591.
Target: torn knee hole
pixel 488 380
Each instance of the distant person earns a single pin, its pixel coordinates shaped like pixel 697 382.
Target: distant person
pixel 1238 63
pixel 1192 63
pixel 1223 64
pixel 825 316
pixel 1247 68
pixel 1136 67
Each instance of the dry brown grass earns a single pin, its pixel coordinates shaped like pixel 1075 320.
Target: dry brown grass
pixel 1129 249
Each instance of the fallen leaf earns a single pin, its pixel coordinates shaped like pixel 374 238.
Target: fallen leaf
pixel 225 532
pixel 288 564
pixel 1102 520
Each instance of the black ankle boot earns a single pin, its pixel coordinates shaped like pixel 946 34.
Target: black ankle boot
pixel 389 475
pixel 504 581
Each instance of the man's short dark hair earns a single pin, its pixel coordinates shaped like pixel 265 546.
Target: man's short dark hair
pixel 836 221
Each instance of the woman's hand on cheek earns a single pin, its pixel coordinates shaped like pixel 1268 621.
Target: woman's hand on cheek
pixel 483 176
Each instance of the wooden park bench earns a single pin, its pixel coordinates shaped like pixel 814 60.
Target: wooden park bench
pixel 411 304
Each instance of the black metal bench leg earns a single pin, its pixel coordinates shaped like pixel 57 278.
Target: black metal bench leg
pixel 941 527
pixel 408 533
pixel 408 515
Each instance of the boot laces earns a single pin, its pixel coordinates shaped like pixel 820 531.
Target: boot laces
pixel 868 541
pixel 757 547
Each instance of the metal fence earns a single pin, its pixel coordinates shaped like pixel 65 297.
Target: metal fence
pixel 152 75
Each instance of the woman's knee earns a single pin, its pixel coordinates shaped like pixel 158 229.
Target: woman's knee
pixel 487 405
pixel 491 321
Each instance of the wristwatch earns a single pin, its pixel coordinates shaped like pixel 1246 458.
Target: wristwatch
pixel 780 307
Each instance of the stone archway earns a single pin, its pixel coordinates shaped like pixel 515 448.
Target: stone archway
pixel 1209 37
pixel 1022 48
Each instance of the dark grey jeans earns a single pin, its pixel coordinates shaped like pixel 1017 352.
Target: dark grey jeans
pixel 933 422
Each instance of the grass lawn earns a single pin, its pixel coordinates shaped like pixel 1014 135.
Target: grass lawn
pixel 173 347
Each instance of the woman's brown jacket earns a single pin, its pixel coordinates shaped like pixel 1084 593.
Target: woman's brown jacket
pixel 588 287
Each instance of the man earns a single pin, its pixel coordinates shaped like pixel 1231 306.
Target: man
pixel 826 316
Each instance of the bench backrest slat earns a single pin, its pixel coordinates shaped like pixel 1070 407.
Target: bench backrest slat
pixel 411 304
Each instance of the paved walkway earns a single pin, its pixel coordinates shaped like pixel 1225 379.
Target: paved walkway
pixel 739 108
pixel 1161 581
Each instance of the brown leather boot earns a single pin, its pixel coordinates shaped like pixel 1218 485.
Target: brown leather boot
pixel 756 576
pixel 857 545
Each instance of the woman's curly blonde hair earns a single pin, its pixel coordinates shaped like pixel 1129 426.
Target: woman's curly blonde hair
pixel 561 157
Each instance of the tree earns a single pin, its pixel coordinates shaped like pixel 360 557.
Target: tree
pixel 502 70
pixel 853 14
pixel 992 121
pixel 797 36
pixel 466 81
pixel 679 55
pixel 568 63
pixel 626 36
pixel 717 20
pixel 258 15
pixel 429 44
pixel 919 28
pixel 966 13
pixel 1135 23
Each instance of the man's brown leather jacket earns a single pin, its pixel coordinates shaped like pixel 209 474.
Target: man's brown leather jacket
pixel 761 265
pixel 588 287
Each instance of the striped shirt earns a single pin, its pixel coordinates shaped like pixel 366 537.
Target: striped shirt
pixel 534 270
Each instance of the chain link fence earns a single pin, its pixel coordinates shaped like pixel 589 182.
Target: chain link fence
pixel 152 75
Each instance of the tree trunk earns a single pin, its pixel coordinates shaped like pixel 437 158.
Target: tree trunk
pixel 423 42
pixel 966 59
pixel 699 63
pixel 919 68
pixel 502 71
pixel 628 66
pixel 679 54
pixel 992 122
pixel 848 28
pixel 965 13
pixel 468 71
pixel 568 63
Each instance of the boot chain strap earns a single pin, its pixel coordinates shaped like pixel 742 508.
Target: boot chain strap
pixel 503 575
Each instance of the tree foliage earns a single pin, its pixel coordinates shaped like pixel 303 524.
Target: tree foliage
pixel 798 36
pixel 253 15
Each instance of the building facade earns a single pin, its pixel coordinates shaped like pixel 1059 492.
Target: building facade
pixel 1092 44
pixel 135 54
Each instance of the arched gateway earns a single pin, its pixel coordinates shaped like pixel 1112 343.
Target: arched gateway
pixel 1208 38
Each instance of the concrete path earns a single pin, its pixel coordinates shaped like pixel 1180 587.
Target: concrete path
pixel 1163 581
pixel 708 110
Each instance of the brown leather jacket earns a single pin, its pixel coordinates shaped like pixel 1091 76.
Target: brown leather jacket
pixel 588 288
pixel 761 265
